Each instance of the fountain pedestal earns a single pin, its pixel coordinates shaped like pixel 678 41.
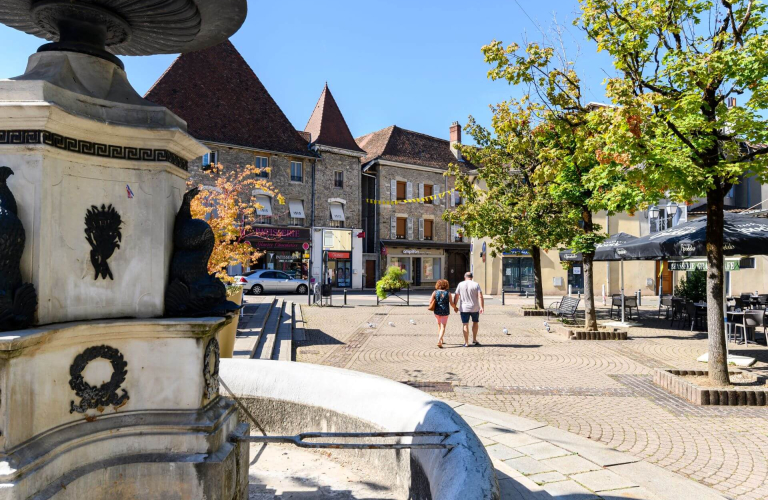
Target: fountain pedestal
pixel 104 398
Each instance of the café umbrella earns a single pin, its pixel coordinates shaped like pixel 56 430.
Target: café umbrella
pixel 606 251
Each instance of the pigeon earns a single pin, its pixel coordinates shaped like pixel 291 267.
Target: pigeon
pixel 505 331
pixel 391 324
pixel 413 322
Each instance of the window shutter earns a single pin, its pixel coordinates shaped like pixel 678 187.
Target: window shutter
pixel 393 227
pixel 453 198
pixel 393 190
pixel 409 190
pixel 421 190
pixel 421 229
pixel 436 199
pixel 453 233
pixel 410 228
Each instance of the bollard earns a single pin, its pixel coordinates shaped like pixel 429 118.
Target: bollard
pixel 502 298
pixel 345 296
pixel 526 294
pixel 569 290
pixel 639 296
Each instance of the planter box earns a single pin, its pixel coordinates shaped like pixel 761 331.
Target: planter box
pixel 673 381
pixel 534 312
pixel 598 335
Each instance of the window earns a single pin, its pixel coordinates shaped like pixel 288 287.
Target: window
pixel 401 187
pixel 403 263
pixel 731 192
pixel 402 225
pixel 429 226
pixel 296 209
pixel 262 163
pixel 456 198
pixel 210 160
pixel 338 179
pixel 457 233
pixel 427 193
pixel 297 171
pixel 336 223
pixel 430 268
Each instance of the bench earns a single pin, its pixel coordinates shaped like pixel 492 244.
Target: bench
pixel 565 307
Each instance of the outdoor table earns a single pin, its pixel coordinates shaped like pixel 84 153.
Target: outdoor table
pixel 740 316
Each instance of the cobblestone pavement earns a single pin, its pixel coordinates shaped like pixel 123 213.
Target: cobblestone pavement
pixel 601 390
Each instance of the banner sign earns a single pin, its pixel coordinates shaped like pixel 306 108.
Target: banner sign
pixel 701 265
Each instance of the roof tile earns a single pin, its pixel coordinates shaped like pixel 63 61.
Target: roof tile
pixel 327 124
pixel 405 146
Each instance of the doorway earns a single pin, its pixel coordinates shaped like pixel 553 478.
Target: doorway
pixel 457 266
pixel 664 277
pixel 370 274
pixel 576 277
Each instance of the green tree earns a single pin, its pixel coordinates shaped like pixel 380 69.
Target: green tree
pixel 575 164
pixel 500 201
pixel 679 61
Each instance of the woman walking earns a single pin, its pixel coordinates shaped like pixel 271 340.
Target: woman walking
pixel 442 299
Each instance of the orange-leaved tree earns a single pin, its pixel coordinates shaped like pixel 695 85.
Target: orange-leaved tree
pixel 227 202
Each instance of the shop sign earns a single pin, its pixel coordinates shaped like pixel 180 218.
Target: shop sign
pixel 338 255
pixel 701 265
pixel 305 246
pixel 516 251
pixel 292 246
pixel 413 251
pixel 306 256
pixel 280 233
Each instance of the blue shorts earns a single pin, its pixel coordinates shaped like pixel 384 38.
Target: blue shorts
pixel 465 317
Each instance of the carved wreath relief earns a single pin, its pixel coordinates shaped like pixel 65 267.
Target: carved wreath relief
pixel 211 368
pixel 106 394
pixel 102 231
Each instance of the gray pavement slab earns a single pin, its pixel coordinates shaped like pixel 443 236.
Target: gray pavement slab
pixel 510 421
pixel 664 483
pixel 569 490
pixel 603 480
pixel 571 464
pixel 541 451
pixel 528 465
pixel 516 439
pixel 591 450
pixel 547 477
pixel 501 452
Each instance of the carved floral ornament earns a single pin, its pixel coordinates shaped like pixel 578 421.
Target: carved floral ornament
pixel 91 397
pixel 211 369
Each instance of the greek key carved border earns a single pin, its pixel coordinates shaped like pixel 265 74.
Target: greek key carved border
pixel 16 137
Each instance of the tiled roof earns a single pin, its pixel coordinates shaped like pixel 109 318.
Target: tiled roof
pixel 222 100
pixel 327 124
pixel 397 144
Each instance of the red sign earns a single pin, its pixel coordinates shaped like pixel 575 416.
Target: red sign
pixel 305 246
pixel 338 255
pixel 361 234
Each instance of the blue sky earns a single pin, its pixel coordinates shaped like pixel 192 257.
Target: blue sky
pixel 415 63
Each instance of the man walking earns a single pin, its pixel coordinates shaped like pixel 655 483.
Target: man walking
pixel 470 304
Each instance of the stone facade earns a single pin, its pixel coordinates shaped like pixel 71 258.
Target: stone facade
pixel 329 163
pixel 280 177
pixel 414 211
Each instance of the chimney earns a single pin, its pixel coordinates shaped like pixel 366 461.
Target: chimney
pixel 455 139
pixel 730 102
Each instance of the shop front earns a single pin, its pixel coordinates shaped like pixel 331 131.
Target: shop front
pixel 338 257
pixel 423 267
pixel 282 249
pixel 517 271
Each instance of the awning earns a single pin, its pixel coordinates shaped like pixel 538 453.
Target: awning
pixel 607 249
pixel 266 205
pixel 570 256
pixel 337 211
pixel 297 209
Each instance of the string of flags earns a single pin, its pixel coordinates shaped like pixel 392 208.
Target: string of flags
pixel 412 200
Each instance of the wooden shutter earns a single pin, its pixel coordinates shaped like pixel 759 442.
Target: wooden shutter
pixel 393 190
pixel 421 190
pixel 408 190
pixel 453 233
pixel 410 228
pixel 453 198
pixel 393 227
pixel 421 229
pixel 436 199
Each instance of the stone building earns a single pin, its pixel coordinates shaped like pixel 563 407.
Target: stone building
pixel 337 246
pixel 229 110
pixel 403 165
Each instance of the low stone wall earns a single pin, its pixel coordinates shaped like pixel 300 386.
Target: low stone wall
pixel 596 335
pixel 288 398
pixel 672 381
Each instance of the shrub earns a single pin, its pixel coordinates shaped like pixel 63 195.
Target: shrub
pixel 693 286
pixel 392 281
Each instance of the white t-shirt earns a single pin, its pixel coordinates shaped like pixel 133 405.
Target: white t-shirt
pixel 469 293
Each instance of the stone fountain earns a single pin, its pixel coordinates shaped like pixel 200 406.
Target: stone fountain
pixel 102 394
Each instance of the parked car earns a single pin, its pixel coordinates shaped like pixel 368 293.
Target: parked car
pixel 269 281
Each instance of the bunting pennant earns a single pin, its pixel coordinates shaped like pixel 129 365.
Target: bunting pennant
pixel 413 200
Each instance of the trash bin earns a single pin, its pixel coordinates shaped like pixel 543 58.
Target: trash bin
pixel 325 290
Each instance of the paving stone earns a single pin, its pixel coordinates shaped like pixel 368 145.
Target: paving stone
pixel 638 493
pixel 603 480
pixel 501 452
pixel 472 421
pixel 542 451
pixel 516 439
pixel 489 430
pixel 569 490
pixel 571 464
pixel 510 421
pixel 661 482
pixel 547 477
pixel 528 466
pixel 595 452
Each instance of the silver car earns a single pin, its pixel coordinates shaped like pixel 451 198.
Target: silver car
pixel 270 281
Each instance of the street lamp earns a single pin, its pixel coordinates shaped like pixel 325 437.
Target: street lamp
pixel 653 212
pixel 671 208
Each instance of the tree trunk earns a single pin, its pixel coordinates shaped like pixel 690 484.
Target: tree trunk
pixel 590 315
pixel 718 364
pixel 537 281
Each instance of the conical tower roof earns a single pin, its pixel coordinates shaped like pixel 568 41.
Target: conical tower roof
pixel 327 124
pixel 222 100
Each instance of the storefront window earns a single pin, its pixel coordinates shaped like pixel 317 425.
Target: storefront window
pixel 289 262
pixel 430 268
pixel 403 263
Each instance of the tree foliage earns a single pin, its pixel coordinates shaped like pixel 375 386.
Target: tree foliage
pixel 226 201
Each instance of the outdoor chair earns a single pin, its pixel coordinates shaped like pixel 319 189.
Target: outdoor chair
pixel 738 304
pixel 615 302
pixel 746 300
pixel 752 319
pixel 565 307
pixel 629 304
pixel 692 313
pixel 666 304
pixel 762 300
pixel 679 312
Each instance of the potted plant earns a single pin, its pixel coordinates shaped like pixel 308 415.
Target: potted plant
pixel 693 286
pixel 391 282
pixel 229 332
